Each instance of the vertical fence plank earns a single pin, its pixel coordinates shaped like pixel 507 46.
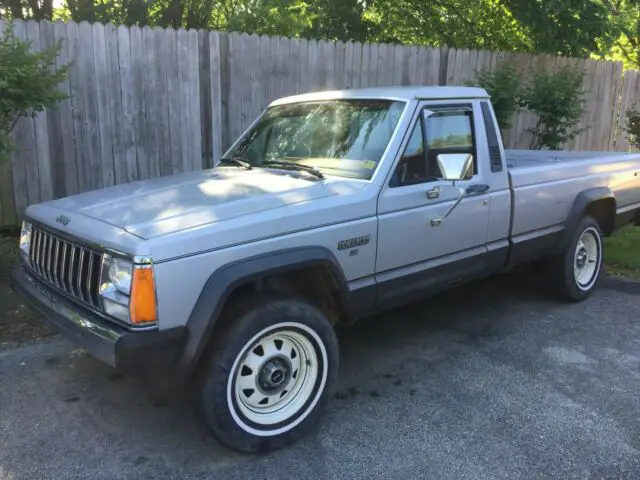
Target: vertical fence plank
pixel 328 64
pixel 252 99
pixel 150 97
pixel 273 65
pixel 616 81
pixel 235 94
pixel 357 65
pixel 24 138
pixel 365 66
pixel 282 69
pixel 303 67
pixel 339 65
pixel 294 66
pixel 102 168
pixel 138 105
pixel 242 79
pixel 8 209
pixel 163 72
pixel 65 117
pixel 41 129
pixel 53 122
pixel 174 98
pixel 123 109
pixel 399 76
pixel 195 112
pixel 216 97
pixel 381 65
pixel 205 98
pixel 348 65
pixel 372 72
pixel 183 111
pixel 78 86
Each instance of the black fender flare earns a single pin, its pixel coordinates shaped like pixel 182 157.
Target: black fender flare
pixel 226 279
pixel 578 209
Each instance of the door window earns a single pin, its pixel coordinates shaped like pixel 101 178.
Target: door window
pixel 449 132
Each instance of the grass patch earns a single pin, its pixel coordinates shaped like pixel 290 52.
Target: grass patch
pixel 18 324
pixel 622 252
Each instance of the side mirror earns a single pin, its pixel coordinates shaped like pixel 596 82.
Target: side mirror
pixel 454 166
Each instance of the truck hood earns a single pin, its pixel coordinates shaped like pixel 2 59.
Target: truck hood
pixel 166 205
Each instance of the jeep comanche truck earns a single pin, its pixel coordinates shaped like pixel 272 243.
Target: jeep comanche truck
pixel 332 206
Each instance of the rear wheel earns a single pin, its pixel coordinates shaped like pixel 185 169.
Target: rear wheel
pixel 269 376
pixel 575 274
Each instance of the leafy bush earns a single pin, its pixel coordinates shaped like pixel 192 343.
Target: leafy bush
pixel 557 100
pixel 503 85
pixel 28 82
pixel 632 125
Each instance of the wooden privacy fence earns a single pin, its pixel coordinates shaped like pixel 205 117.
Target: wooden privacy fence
pixel 146 102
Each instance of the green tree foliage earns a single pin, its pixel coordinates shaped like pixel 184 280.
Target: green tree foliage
pixel 487 24
pixel 503 85
pixel 632 125
pixel 28 84
pixel 557 99
pixel 625 46
pixel 583 28
pixel 565 27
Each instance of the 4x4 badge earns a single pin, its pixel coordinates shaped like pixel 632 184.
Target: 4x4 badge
pixel 64 220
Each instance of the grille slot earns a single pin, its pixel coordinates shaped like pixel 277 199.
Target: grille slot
pixel 68 266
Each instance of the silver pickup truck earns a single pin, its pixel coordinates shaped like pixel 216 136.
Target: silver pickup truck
pixel 331 207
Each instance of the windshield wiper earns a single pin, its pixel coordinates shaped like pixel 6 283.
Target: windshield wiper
pixel 238 160
pixel 294 166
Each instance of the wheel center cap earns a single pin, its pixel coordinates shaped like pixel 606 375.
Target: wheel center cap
pixel 581 258
pixel 274 375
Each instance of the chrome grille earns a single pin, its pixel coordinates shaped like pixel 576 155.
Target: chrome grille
pixel 68 266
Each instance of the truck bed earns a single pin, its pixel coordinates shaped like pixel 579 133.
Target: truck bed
pixel 545 183
pixel 531 158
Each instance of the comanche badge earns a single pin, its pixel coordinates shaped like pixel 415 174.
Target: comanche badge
pixel 353 242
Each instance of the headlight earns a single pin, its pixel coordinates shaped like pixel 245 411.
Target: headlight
pixel 25 240
pixel 128 290
pixel 115 286
pixel 119 274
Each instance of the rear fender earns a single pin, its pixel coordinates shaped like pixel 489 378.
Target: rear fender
pixel 581 206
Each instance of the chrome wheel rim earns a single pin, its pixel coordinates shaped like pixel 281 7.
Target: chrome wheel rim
pixel 586 263
pixel 277 379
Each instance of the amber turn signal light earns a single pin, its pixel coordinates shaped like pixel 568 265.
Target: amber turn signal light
pixel 142 307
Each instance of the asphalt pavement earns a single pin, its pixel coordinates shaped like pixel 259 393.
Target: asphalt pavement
pixel 492 380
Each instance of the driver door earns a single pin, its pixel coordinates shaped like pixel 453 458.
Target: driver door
pixel 420 247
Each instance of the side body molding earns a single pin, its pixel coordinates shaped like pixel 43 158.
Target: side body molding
pixel 225 280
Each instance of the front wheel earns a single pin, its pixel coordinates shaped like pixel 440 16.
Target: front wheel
pixel 268 378
pixel 575 274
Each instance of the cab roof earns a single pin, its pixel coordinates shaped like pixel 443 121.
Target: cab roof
pixel 433 92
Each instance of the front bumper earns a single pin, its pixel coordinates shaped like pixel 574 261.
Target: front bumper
pixel 138 353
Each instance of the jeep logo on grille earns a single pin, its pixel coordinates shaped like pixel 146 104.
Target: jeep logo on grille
pixel 64 220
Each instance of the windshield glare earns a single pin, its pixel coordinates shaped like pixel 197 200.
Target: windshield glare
pixel 339 137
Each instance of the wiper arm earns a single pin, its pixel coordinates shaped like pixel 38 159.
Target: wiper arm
pixel 294 166
pixel 238 161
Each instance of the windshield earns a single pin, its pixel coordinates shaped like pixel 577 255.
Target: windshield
pixel 338 137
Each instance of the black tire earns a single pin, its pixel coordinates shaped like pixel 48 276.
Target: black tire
pixel 256 317
pixel 560 275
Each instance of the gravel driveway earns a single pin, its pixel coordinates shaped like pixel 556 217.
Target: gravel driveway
pixel 488 381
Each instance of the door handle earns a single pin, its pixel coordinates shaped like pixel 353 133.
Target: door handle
pixel 477 189
pixel 433 193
